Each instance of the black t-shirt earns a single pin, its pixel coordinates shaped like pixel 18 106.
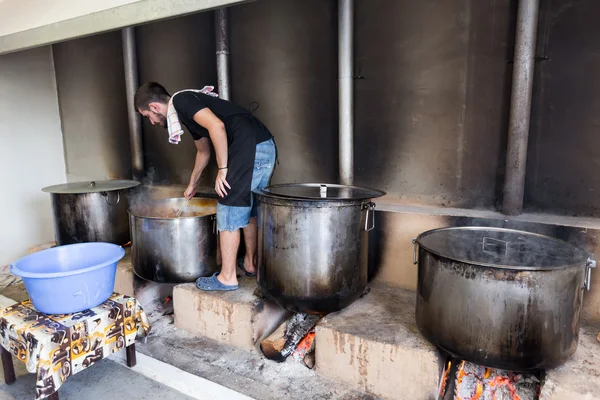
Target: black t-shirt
pixel 188 103
pixel 244 132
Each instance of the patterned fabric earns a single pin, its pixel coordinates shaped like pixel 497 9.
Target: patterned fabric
pixel 173 124
pixel 58 346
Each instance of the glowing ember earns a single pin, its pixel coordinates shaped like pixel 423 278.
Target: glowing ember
pixel 305 346
pixel 474 382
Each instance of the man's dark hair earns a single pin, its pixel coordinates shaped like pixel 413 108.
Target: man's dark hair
pixel 150 92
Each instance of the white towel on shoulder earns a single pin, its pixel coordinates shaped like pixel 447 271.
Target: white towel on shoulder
pixel 173 124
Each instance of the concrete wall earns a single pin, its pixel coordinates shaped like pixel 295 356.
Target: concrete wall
pixel 91 93
pixel 562 174
pixel 31 154
pixel 431 104
pixel 431 97
pixel 284 57
pixel 179 54
pixel 423 97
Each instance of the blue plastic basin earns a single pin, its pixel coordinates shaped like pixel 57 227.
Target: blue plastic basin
pixel 71 278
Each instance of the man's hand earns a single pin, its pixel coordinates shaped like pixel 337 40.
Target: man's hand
pixel 189 192
pixel 221 183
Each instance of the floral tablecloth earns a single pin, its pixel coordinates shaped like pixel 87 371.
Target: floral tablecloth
pixel 58 346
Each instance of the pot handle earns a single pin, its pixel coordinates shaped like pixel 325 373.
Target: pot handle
pixel 414 242
pixel 370 207
pixel 591 263
pixel 105 195
pixel 494 246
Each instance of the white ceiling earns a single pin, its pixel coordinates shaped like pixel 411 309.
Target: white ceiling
pixel 31 23
pixel 21 15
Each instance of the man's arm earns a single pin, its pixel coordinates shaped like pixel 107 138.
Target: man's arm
pixel 216 129
pixel 202 157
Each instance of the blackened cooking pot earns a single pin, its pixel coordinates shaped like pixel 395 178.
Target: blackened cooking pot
pixel 313 244
pixel 501 298
pixel 91 211
pixel 167 248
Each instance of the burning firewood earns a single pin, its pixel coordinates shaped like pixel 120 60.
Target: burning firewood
pixel 286 339
pixel 272 345
pixel 598 337
pixel 462 380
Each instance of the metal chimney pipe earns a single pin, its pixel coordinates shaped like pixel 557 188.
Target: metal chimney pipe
pixel 222 35
pixel 135 119
pixel 346 90
pixel 520 107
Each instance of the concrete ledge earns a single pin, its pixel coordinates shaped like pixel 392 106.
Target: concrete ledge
pixel 578 378
pixel 375 347
pixel 41 247
pixel 237 318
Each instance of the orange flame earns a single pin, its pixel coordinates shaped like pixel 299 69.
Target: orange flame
pixel 445 379
pixel 478 391
pixel 461 373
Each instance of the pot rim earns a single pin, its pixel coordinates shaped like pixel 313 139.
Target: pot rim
pixel 212 216
pixel 90 187
pixel 375 193
pixel 579 264
pixel 313 204
pixel 131 212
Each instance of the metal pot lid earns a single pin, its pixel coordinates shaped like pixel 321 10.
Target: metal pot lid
pixel 91 186
pixel 502 248
pixel 322 191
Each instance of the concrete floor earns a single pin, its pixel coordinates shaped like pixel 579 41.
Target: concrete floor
pixel 105 380
pixel 239 370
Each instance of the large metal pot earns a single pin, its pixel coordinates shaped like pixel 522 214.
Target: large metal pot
pixel 171 249
pixel 313 243
pixel 91 211
pixel 501 298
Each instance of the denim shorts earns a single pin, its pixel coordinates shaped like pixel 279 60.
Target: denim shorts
pixel 230 218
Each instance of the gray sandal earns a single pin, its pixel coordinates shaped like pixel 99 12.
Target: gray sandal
pixel 211 283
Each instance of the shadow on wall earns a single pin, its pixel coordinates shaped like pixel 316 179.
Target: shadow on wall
pixel 93 109
pixel 284 56
pixel 562 157
pixel 179 54
pixel 431 106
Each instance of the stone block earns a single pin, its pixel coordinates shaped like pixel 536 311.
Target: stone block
pixel 579 377
pixel 374 346
pixel 237 318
